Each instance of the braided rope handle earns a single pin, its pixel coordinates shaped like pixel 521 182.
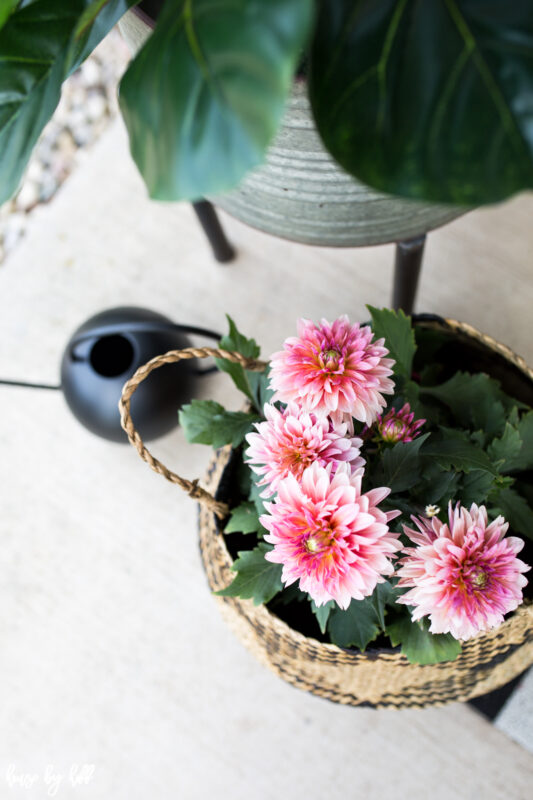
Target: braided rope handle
pixel 191 487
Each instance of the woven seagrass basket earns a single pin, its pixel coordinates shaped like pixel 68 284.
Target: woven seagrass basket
pixel 380 678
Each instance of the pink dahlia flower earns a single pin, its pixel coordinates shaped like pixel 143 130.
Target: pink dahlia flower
pixel 292 440
pixel 399 426
pixel 333 369
pixel 465 575
pixel 329 536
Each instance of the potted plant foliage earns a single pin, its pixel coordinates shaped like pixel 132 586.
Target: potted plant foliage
pixel 367 522
pixel 426 101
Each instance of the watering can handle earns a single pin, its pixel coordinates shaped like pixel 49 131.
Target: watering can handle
pixel 191 487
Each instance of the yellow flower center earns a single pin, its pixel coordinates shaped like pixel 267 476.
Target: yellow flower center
pixel 320 542
pixel 330 359
pixel 479 579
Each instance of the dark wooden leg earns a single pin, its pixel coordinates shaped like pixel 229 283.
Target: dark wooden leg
pixel 407 264
pixel 207 216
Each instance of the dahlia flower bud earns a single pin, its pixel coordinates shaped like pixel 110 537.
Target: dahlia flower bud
pixel 399 426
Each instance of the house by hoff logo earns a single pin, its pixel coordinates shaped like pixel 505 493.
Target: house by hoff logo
pixel 51 778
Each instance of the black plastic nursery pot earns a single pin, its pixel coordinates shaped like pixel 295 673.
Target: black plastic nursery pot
pixel 379 677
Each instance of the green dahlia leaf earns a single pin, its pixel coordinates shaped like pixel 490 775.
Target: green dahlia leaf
pixel 436 484
pixel 255 495
pixel 429 100
pixel 395 328
pixel 475 401
pixel 515 509
pixel 410 393
pixel 235 341
pixel 479 438
pixel 418 644
pixel 259 384
pixel 354 627
pixel 204 97
pixel 514 417
pixel 493 418
pixel 243 519
pixel 525 488
pixel 256 577
pixel 402 465
pixel 524 458
pixel 505 449
pixel 453 450
pixel 207 422
pixel 475 487
pixel 384 595
pixel 322 613
pixel 289 594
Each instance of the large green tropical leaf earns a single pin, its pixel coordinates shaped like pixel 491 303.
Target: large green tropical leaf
pixel 204 96
pixel 95 23
pixel 6 8
pixel 430 99
pixel 40 44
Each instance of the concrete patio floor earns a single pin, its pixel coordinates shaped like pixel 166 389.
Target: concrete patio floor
pixel 113 651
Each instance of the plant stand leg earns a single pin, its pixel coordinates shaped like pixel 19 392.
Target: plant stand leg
pixel 208 219
pixel 407 264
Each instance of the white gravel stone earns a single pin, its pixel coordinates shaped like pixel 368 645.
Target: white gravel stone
pixel 35 170
pixel 81 132
pixel 13 231
pixel 90 72
pixel 28 196
pixel 78 98
pixel 49 187
pixel 96 107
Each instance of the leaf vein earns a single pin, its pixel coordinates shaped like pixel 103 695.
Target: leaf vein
pixel 446 96
pixel 382 63
pixel 506 118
